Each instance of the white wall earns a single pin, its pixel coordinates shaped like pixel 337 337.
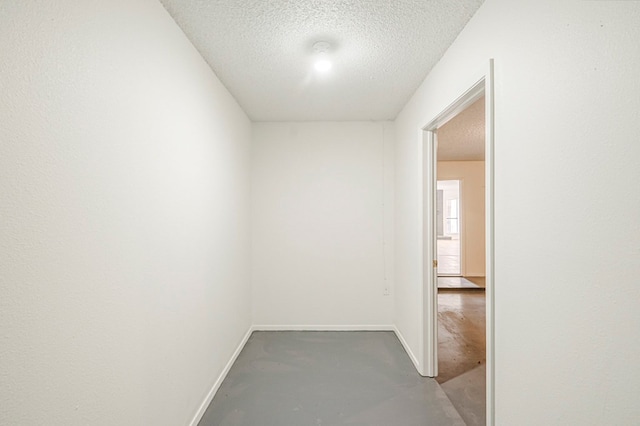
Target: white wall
pixel 124 246
pixel 472 194
pixel 320 224
pixel 567 98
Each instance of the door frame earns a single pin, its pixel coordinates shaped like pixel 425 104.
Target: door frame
pixel 484 85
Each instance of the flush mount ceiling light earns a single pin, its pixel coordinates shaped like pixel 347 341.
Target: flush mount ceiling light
pixel 322 63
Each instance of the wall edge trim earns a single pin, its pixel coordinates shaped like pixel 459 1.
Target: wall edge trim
pixel 407 349
pixel 335 327
pixel 223 374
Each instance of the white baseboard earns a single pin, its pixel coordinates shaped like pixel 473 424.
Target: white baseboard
pixel 407 349
pixel 205 404
pixel 274 327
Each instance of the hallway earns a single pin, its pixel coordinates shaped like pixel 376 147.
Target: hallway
pixel 175 174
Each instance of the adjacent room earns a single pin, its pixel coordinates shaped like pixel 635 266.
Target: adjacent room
pixel 213 205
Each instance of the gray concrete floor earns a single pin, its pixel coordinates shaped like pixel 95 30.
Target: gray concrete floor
pixel 327 378
pixel 468 394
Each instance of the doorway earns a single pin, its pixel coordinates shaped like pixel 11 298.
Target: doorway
pixel 460 155
pixel 429 349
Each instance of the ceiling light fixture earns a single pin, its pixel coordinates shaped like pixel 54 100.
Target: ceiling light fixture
pixel 322 62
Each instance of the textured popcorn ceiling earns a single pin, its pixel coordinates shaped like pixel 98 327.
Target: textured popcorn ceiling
pixel 462 138
pixel 262 51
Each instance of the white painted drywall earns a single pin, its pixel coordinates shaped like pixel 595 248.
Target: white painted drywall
pixel 472 194
pixel 566 295
pixel 124 245
pixel 321 224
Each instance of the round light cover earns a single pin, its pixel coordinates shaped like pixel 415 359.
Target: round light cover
pixel 322 62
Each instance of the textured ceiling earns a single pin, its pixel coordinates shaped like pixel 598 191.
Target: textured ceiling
pixel 262 51
pixel 462 137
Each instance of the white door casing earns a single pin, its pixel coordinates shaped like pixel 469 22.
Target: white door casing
pixel 429 345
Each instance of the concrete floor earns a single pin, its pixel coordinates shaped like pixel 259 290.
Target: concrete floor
pixel 462 351
pixel 461 332
pixel 468 394
pixel 327 378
